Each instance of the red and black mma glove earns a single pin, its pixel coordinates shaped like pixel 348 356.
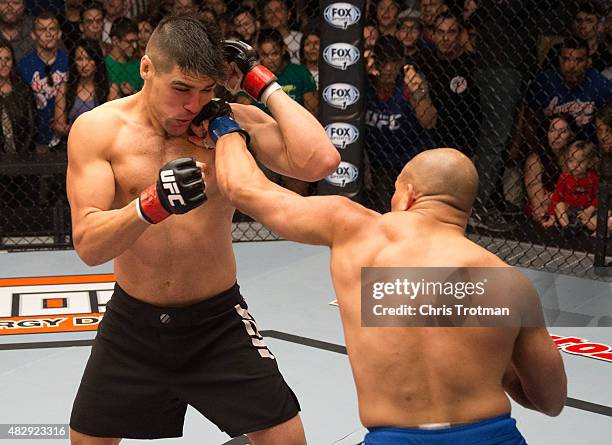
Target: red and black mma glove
pixel 220 119
pixel 257 80
pixel 179 189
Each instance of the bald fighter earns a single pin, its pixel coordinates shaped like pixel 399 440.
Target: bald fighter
pixel 415 385
pixel 176 330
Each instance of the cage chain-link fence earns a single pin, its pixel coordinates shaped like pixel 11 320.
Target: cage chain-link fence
pixel 520 86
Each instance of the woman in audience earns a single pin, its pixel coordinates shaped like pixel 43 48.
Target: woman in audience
pixel 543 168
pixel 16 105
pixel 87 87
pixel 309 53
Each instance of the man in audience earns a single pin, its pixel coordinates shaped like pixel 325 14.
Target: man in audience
pixel 113 10
pixel 44 68
pixel 386 16
pixel 430 9
pixel 16 26
pixel 184 7
pixel 587 25
pixel 573 88
pixel 399 113
pixel 123 68
pixel 246 26
pixel 409 32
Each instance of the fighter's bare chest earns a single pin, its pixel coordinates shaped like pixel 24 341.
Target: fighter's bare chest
pixel 136 163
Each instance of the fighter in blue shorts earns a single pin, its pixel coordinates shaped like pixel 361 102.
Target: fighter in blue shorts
pixel 426 384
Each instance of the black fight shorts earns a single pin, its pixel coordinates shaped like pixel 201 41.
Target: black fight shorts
pixel 148 363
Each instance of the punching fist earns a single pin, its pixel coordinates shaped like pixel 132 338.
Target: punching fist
pixel 179 189
pixel 257 80
pixel 220 119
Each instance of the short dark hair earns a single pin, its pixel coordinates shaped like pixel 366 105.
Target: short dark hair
pixel 89 5
pixel 446 16
pixel 591 9
pixel 244 10
pixel 388 49
pixel 574 42
pixel 193 45
pixel 270 35
pixel 45 15
pixel 123 26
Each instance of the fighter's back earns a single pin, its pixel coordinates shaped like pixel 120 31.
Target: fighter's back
pixel 414 376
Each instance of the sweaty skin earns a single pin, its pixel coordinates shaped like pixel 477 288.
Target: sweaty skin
pixel 410 376
pixel 117 149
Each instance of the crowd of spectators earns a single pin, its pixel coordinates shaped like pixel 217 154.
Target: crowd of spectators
pixel 520 86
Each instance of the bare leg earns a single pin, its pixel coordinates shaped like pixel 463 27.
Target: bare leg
pixel 77 438
pixel 290 432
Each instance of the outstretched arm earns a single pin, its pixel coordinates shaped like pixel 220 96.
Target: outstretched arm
pixel 312 220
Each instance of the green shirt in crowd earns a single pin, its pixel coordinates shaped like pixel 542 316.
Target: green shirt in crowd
pixel 296 81
pixel 119 72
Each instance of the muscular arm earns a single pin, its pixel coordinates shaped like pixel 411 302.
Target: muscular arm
pixel 99 233
pixel 293 143
pixel 312 220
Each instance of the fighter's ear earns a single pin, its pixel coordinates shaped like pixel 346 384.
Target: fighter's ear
pixel 147 69
pixel 410 196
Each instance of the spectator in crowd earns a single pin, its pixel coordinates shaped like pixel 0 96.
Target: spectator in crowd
pixel 543 168
pixel 16 27
pixel 87 85
pixel 92 23
pixel 278 17
pixel 17 126
pixel 309 53
pixel 430 10
pixel 183 7
pixel 409 33
pixel 450 71
pixel 137 8
pixel 587 25
pixel 123 69
pixel 399 113
pixel 246 26
pixel 370 35
pixel 296 81
pixel 208 15
pixel 146 25
pixel 603 124
pixel 224 17
pixel 113 9
pixel 44 69
pixel 69 22
pixel 219 6
pixel 572 88
pixel 574 202
pixel 386 16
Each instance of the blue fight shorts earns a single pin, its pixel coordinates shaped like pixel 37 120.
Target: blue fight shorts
pixel 496 431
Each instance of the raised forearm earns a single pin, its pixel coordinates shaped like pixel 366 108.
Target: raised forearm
pixel 309 152
pixel 238 176
pixel 102 235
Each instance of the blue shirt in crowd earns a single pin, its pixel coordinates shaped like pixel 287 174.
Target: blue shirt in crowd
pixel 393 132
pixel 35 72
pixel 548 93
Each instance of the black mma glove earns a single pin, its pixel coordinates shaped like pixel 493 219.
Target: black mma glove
pixel 179 189
pixel 257 80
pixel 220 119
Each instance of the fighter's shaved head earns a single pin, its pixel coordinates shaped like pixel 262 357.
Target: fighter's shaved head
pixel 192 45
pixel 445 175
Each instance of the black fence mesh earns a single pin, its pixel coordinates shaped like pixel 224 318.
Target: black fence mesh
pixel 520 86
